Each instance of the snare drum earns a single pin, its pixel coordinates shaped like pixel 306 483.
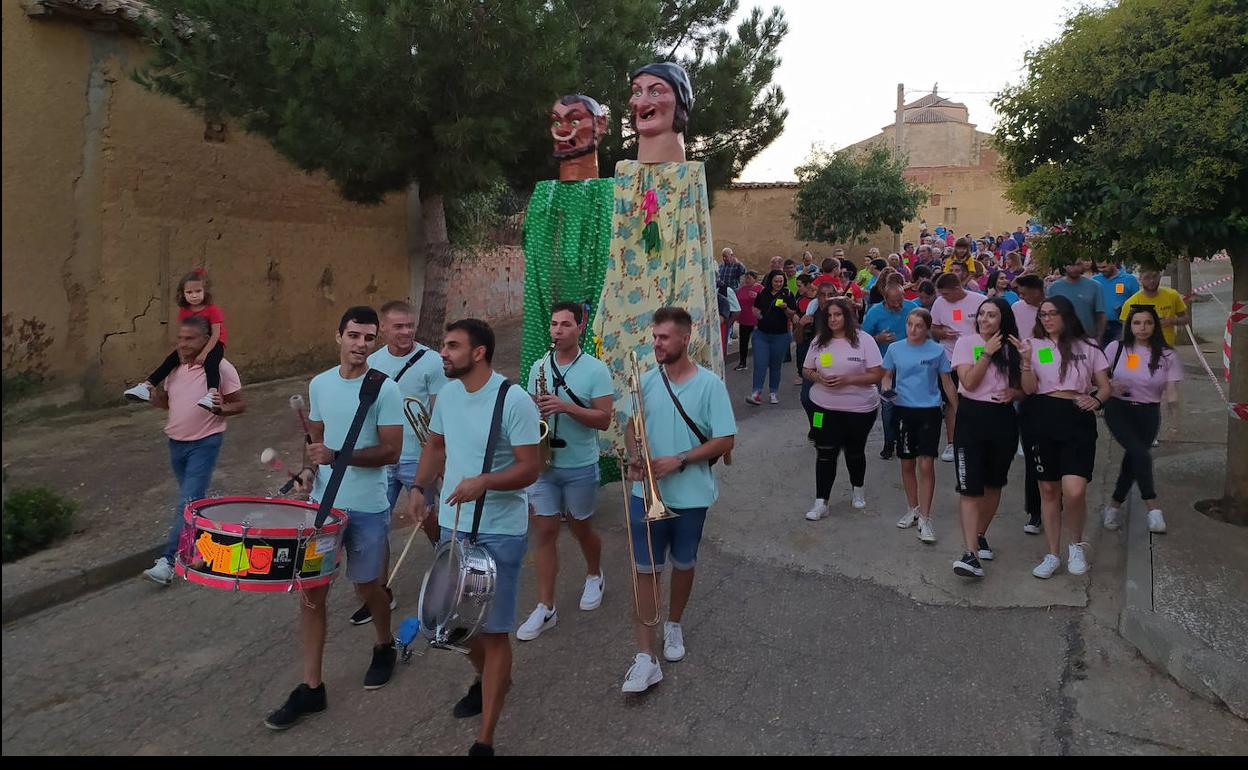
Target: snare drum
pixel 258 544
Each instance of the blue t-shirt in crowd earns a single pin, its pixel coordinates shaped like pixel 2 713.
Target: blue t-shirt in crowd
pixel 422 380
pixel 1117 291
pixel 588 378
pixel 1009 296
pixel 334 401
pixel 916 371
pixel 1087 297
pixel 880 319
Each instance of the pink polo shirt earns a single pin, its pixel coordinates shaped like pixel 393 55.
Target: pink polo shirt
pixel 1046 362
pixel 839 357
pixel 186 385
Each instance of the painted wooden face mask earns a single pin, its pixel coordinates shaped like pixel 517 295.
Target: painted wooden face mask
pixel 576 123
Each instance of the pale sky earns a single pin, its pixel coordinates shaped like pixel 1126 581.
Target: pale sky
pixel 842 60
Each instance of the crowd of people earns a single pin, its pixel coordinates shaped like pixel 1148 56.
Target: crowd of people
pixel 973 336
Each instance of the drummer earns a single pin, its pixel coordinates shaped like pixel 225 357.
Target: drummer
pixel 335 395
pixel 467 404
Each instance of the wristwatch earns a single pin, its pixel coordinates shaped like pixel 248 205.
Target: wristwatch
pixel 684 460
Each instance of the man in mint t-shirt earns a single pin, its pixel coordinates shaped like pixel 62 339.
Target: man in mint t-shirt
pixel 576 405
pixel 886 322
pixel 334 397
pixel 458 433
pixel 680 465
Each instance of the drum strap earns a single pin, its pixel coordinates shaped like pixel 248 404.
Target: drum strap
pixel 491 442
pixel 368 396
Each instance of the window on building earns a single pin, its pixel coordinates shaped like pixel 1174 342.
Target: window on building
pixel 951 217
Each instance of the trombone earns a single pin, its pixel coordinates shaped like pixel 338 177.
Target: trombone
pixel 655 508
pixel 420 420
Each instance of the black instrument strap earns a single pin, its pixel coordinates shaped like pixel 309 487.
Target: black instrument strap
pixel 491 442
pixel 1117 355
pixel 561 382
pixel 410 363
pixel 702 439
pixel 368 396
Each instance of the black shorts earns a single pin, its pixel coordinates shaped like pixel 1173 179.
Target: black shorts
pixel 1062 438
pixel 918 431
pixel 985 438
pixel 944 397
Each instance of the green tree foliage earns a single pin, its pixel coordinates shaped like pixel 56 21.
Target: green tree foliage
pixel 847 195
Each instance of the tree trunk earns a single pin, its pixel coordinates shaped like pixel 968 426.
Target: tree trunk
pixel 432 321
pixel 1235 504
pixel 1183 285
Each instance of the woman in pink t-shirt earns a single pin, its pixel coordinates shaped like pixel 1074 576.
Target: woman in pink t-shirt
pixel 1060 367
pixel 844 366
pixel 745 322
pixel 1145 372
pixel 986 432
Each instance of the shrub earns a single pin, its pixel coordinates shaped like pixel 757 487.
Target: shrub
pixel 34 519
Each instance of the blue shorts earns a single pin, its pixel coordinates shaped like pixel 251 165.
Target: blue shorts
pixel 565 490
pixel 680 535
pixel 400 476
pixel 365 541
pixel 508 552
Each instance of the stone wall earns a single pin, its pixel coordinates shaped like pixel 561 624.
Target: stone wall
pixel 486 284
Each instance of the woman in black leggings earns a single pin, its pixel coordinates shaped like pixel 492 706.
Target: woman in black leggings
pixel 1144 372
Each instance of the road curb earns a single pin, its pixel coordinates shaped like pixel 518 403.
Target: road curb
pixel 41 597
pixel 1167 645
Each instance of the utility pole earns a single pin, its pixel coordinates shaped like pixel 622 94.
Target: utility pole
pixel 897 143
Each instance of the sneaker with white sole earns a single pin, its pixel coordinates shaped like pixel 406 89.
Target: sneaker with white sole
pixel 859 498
pixel 160 572
pixel 1076 562
pixel 591 597
pixel 774 399
pixel 968 566
pixel 541 619
pixel 141 392
pixel 1045 569
pixel 909 519
pixel 985 550
pixel 673 641
pixel 1110 519
pixel 946 456
pixel 1034 525
pixel 1156 523
pixel 926 533
pixel 817 511
pixel 207 403
pixel 755 398
pixel 643 674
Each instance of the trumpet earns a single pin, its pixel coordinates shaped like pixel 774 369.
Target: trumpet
pixel 655 508
pixel 419 420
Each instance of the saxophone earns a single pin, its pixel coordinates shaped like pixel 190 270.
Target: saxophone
pixel 546 452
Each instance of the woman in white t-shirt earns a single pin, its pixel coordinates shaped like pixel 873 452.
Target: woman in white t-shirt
pixel 1145 372
pixel 1059 370
pixel 844 366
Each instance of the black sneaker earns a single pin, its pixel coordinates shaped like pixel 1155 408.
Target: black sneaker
pixel 985 551
pixel 381 668
pixel 1034 525
pixel 887 452
pixel 968 566
pixel 303 701
pixel 739 368
pixel 470 704
pixel 480 749
pixel 364 615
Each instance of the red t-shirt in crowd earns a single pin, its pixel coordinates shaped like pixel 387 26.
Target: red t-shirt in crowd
pixel 211 312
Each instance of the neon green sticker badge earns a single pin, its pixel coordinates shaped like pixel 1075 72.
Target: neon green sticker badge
pixel 979 351
pixel 1045 355
pixel 825 359
pixel 817 420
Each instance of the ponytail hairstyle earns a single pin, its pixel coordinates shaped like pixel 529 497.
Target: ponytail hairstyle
pixel 198 274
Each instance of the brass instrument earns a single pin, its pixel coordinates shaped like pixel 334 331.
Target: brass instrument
pixel 655 508
pixel 420 420
pixel 546 452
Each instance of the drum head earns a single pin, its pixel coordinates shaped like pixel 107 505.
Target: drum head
pixel 262 513
pixel 439 597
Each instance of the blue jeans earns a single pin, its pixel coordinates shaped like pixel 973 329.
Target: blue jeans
pixel 890 425
pixel 193 462
pixel 769 350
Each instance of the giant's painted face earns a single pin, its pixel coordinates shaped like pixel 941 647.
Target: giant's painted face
pixel 653 105
pixel 572 126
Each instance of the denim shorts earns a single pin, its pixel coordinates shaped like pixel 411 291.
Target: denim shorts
pixel 365 541
pixel 400 476
pixel 566 490
pixel 681 536
pixel 508 552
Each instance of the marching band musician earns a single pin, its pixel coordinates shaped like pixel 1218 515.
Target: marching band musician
pixel 680 463
pixel 574 393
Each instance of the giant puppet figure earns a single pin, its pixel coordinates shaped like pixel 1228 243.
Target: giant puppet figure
pixel 661 250
pixel 567 228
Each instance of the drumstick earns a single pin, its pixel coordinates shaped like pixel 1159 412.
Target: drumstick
pixel 415 528
pixel 297 405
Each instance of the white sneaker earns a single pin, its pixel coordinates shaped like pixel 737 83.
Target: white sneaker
pixel 673 641
pixel 160 572
pixel 755 398
pixel 541 619
pixel 775 400
pixel 1033 526
pixel 947 455
pixel 1076 562
pixel 817 511
pixel 926 533
pixel 206 403
pixel 1109 518
pixel 591 597
pixel 860 498
pixel 1155 522
pixel 643 674
pixel 140 392
pixel 910 518
pixel 1045 569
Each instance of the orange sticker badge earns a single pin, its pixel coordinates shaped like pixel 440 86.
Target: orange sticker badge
pixel 1133 360
pixel 1119 288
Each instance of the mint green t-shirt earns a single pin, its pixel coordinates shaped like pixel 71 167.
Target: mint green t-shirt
pixel 422 380
pixel 463 419
pixel 705 398
pixel 588 378
pixel 334 402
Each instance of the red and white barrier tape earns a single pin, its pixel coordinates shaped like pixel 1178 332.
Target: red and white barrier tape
pixel 1209 285
pixel 1238 411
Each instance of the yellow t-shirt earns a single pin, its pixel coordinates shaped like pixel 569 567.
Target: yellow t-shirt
pixel 1168 303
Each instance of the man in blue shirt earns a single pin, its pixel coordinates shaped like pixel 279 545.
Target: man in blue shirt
pixel 886 322
pixel 574 394
pixel 334 397
pixel 458 432
pixel 1085 294
pixel 677 477
pixel 1117 286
